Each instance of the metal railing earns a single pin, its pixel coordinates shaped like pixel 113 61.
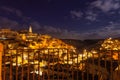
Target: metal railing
pixel 59 64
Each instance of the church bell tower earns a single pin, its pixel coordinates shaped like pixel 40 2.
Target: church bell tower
pixel 30 29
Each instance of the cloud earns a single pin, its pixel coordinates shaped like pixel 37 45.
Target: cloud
pixel 106 5
pixel 8 23
pixel 17 14
pixel 96 8
pixel 90 15
pixel 111 30
pixel 76 14
pixel 9 10
pixel 55 31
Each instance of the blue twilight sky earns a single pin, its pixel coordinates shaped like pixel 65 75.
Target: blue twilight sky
pixel 70 19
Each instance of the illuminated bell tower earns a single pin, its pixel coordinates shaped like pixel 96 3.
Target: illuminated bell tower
pixel 30 29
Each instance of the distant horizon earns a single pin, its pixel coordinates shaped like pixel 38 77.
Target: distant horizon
pixel 27 29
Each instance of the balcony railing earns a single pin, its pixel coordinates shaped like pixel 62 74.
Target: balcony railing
pixel 59 64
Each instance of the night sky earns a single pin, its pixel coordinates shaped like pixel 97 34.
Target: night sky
pixel 68 19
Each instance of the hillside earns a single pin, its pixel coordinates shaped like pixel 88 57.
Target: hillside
pixel 84 44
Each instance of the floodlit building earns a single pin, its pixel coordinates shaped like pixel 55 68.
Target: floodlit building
pixel 8 34
pixel 28 35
